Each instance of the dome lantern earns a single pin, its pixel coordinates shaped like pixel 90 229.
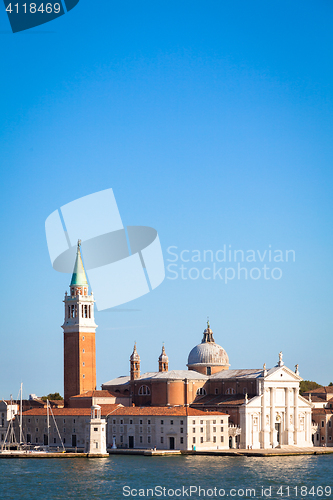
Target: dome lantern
pixel 208 357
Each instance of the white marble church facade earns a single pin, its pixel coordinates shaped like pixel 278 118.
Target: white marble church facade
pixel 277 416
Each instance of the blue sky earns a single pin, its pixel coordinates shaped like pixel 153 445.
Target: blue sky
pixel 212 122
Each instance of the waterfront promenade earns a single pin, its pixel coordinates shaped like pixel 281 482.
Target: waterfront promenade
pixel 271 452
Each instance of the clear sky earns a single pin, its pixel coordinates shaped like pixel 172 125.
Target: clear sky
pixel 212 123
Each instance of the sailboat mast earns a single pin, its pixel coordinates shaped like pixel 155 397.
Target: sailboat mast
pixel 48 422
pixel 21 439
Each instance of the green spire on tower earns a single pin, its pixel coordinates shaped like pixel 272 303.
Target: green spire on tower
pixel 79 275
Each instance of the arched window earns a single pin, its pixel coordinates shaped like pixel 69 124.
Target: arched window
pixel 201 392
pixel 230 391
pixel 144 390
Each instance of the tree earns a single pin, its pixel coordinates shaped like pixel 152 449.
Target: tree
pixel 308 385
pixel 53 396
pixel 330 384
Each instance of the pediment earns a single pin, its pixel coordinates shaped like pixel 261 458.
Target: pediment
pixel 282 373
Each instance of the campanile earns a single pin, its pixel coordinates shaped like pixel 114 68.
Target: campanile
pixel 79 334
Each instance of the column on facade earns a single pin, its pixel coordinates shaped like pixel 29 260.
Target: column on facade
pixel 263 418
pixel 287 406
pixel 272 414
pixel 295 414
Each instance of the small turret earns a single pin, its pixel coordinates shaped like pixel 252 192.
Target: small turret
pixel 135 364
pixel 207 334
pixel 163 361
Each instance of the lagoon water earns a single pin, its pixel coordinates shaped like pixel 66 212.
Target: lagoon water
pixel 120 477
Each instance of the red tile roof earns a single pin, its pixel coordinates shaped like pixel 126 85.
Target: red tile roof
pixel 219 400
pixel 319 411
pixel 164 411
pixel 94 394
pixel 321 390
pixel 67 412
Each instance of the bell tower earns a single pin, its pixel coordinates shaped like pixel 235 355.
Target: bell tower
pixel 163 361
pixel 135 364
pixel 79 334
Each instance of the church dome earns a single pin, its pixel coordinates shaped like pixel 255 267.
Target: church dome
pixel 208 353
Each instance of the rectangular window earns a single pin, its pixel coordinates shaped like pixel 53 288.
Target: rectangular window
pixel 161 422
pixel 162 430
pixel 201 421
pixel 222 439
pixel 114 421
pixel 148 439
pixel 214 429
pixel 214 421
pixel 201 440
pixel 140 422
pixel 64 440
pixel 193 429
pixel 121 439
pixel 74 421
pixel 214 439
pixel 121 421
pixel 140 439
pixel 182 422
pixel 171 422
pixel 193 422
pixel 54 440
pixel 131 421
pixel 221 429
pixel 329 424
pixel 148 422
pixel 36 440
pixel 162 439
pixel 181 430
pixel 221 421
pixel 322 423
pixel 36 429
pixel 181 440
pixel 140 429
pixel 95 429
pixel 193 440
pixel 201 429
pixel 216 391
pixel 64 429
